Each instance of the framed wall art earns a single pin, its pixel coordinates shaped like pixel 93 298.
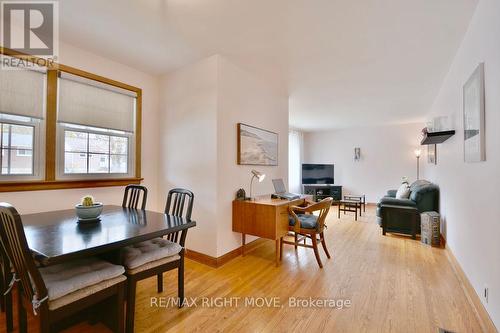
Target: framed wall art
pixel 474 122
pixel 257 146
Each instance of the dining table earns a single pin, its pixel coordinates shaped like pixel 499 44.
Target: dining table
pixel 57 237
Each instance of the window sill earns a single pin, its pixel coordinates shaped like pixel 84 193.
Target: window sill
pixel 40 185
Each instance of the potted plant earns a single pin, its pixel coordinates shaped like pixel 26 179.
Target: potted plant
pixel 88 210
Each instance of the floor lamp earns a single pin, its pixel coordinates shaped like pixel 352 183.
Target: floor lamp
pixel 418 152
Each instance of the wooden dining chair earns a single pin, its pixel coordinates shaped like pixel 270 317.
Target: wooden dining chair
pixel 159 255
pixel 133 195
pixel 179 203
pixel 59 291
pixel 305 225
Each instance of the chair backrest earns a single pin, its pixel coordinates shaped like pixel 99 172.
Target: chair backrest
pixel 324 207
pixel 16 247
pixel 132 196
pixel 178 200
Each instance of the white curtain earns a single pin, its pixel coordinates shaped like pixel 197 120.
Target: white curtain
pixel 295 145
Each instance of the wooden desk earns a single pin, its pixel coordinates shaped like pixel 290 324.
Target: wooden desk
pixel 263 217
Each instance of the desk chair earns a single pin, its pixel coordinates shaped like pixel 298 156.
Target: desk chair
pixel 305 225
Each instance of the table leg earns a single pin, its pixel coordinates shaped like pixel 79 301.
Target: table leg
pixel 281 248
pixel 339 211
pixel 242 245
pixel 359 208
pixel 277 252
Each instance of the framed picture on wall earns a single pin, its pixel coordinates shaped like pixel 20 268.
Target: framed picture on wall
pixel 432 154
pixel 257 146
pixel 473 99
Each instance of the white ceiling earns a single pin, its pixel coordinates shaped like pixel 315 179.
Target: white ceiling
pixel 343 62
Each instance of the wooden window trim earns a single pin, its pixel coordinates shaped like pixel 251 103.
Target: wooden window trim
pixel 50 182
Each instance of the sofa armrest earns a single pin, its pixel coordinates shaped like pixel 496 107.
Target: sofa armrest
pixel 391 193
pixel 403 209
pixel 387 201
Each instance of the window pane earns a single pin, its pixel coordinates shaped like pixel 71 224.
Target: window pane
pixel 24 152
pixel 5 162
pixel 75 141
pixel 21 164
pixel 21 136
pixel 98 143
pixel 75 163
pixel 118 163
pixel 98 163
pixel 119 145
pixel 5 136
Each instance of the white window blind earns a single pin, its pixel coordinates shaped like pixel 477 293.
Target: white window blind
pixel 91 103
pixel 22 92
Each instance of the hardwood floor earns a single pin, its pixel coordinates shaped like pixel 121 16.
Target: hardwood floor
pixel 394 284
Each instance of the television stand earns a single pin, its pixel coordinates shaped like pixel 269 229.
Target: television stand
pixel 319 192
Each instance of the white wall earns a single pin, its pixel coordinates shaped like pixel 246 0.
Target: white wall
pixel 202 104
pixel 243 98
pixel 387 154
pixel 39 201
pixel 188 148
pixel 469 191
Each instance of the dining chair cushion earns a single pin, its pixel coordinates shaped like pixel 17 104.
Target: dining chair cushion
pixel 307 221
pixel 66 278
pixel 84 292
pixel 148 251
pixel 153 264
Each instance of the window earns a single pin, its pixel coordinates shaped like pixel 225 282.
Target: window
pixel 93 153
pixel 17 149
pixel 22 113
pixel 96 129
pixel 61 127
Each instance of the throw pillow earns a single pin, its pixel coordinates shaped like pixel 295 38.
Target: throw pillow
pixel 403 192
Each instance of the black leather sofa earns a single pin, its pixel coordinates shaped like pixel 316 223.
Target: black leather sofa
pixel 403 215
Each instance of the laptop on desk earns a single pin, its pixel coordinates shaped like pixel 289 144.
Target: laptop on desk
pixel 280 189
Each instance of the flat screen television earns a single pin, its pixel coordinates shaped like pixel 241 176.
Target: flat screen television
pixel 314 174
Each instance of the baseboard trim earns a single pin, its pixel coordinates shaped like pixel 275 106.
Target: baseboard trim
pixel 482 315
pixel 217 262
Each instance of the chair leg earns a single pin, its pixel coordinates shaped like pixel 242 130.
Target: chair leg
pixel 8 312
pixel 44 320
pixel 295 236
pixel 22 318
pixel 316 252
pixel 160 282
pixel 120 314
pixel 129 326
pixel 322 235
pixel 180 281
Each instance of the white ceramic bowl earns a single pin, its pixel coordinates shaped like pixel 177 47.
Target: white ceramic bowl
pixel 89 212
